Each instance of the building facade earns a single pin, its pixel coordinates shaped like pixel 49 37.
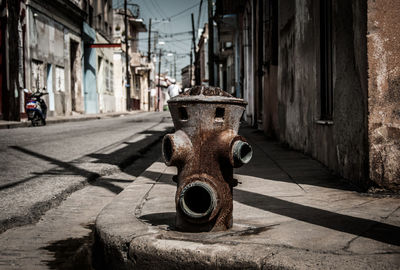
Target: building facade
pixel 187 75
pixel 203 56
pixel 12 21
pixel 321 77
pixel 53 54
pixel 66 47
pixel 140 67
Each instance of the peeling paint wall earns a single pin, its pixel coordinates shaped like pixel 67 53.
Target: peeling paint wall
pixel 46 47
pixel 49 47
pixel 384 92
pixel 248 63
pixel 105 69
pixel 77 98
pixel 144 86
pixel 119 81
pixel 339 144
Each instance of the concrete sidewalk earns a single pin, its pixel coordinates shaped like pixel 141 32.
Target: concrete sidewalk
pixel 289 213
pixel 61 119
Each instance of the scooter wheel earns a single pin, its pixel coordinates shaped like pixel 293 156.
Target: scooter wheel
pixel 36 120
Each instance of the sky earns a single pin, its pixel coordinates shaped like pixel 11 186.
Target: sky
pixel 168 17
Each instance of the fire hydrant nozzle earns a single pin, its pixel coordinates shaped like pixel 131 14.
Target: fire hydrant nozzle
pixel 205 148
pixel 197 199
pixel 176 148
pixel 242 153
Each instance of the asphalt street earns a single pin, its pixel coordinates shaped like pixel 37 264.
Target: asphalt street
pixel 63 236
pixel 41 166
pixel 23 149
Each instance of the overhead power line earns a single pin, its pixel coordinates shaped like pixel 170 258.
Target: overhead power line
pixel 153 39
pixel 183 11
pixel 157 8
pixel 176 33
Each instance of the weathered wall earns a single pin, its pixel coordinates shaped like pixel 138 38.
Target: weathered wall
pixel 339 144
pixel 144 100
pixel 270 100
pixel 76 64
pixel 49 44
pixel 384 92
pixel 119 81
pixel 10 96
pixel 105 85
pixel 248 62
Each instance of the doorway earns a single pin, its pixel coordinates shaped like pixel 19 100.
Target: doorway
pixel 49 86
pixel 73 72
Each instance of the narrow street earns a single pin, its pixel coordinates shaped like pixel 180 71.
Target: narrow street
pixel 48 159
pixel 199 134
pixel 23 149
pixel 41 166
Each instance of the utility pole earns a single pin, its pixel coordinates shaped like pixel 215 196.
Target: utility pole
pixel 210 43
pixel 128 81
pixel 175 66
pixel 193 35
pixel 159 81
pixel 148 73
pixel 190 69
pixel 196 58
pixel 155 41
pixel 149 43
pixel 198 19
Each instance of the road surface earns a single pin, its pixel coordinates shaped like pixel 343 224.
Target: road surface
pixel 40 166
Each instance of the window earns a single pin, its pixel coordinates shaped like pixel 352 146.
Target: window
pixel 111 77
pixel 60 79
pixel 326 97
pixel 37 75
pixel 106 76
pixel 99 22
pixel 137 83
pixel 90 15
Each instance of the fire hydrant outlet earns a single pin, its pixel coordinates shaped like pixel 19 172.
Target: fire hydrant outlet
pixel 176 148
pixel 167 149
pixel 197 200
pixel 242 153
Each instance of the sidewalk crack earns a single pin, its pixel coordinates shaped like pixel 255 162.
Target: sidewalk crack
pixel 138 209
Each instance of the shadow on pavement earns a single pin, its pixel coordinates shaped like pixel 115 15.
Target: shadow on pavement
pixel 126 156
pixel 367 228
pixel 72 253
pixel 371 229
pixel 295 167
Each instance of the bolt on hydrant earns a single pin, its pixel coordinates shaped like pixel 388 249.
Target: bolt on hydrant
pixel 205 148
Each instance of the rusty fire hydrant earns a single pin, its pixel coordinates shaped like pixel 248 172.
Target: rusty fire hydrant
pixel 205 148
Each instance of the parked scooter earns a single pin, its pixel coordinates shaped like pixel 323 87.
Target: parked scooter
pixel 36 108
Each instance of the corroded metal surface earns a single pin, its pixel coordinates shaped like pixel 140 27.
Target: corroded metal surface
pixel 206 91
pixel 205 148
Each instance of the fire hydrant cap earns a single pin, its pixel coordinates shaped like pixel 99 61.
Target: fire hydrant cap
pixel 206 94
